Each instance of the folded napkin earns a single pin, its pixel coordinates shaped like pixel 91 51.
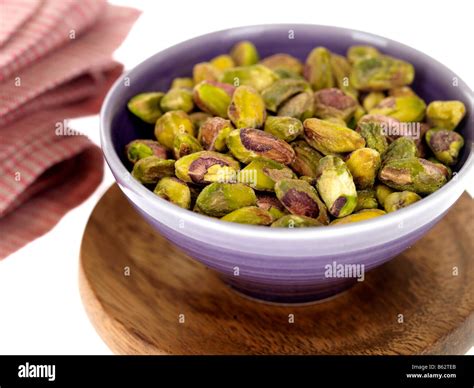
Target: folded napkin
pixel 55 64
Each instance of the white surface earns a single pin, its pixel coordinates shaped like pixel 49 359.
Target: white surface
pixel 40 307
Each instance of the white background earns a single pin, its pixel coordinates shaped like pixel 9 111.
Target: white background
pixel 40 308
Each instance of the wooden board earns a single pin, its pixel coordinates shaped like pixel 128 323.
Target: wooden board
pixel 169 304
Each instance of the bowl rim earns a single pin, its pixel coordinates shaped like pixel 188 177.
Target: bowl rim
pixel 124 178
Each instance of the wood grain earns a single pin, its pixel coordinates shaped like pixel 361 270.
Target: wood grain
pixel 140 313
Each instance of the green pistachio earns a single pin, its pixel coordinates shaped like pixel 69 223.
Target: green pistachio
pixel 251 215
pixel 272 205
pixel 362 215
pixel 401 91
pixel 300 107
pixel 308 179
pixel 257 76
pixel 381 73
pixel 141 148
pixel 341 69
pixel 413 174
pixel 247 108
pixel 151 169
pixel 205 71
pixel 398 200
pixel 219 199
pixel 447 171
pixel 333 103
pixel 318 70
pixel 213 133
pixel 175 191
pixel 294 221
pixel 329 138
pixel 244 53
pixel 301 199
pixel 182 83
pixel 223 62
pixel 373 134
pixel 146 106
pixel 287 74
pixel 306 160
pixel 170 124
pixel 261 174
pixel 445 144
pixel 206 166
pixel 364 164
pixel 285 128
pixel 445 114
pixel 185 144
pixel 336 186
pixel 281 90
pixel 366 199
pixel 358 52
pixel 213 97
pixel 198 118
pixel 372 99
pixel 381 193
pixel 407 108
pixel 284 62
pixel 247 144
pixel 400 148
pixel 177 99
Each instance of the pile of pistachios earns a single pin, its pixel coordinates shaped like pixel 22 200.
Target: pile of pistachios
pixel 278 142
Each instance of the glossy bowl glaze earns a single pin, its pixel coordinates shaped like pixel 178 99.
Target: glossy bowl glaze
pixel 281 265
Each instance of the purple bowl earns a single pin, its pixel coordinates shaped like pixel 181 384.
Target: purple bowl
pixel 280 265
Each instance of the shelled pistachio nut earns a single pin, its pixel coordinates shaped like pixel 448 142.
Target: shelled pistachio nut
pixel 406 108
pixel 445 144
pixel 400 148
pixel 366 199
pixel 306 159
pixel 151 169
pixel 261 174
pixel 334 103
pixel 185 144
pixel 177 99
pixel 257 76
pixel 372 99
pixel 213 133
pixel 244 53
pixel 170 124
pixel 293 221
pixel 222 62
pixel 398 200
pixel 285 128
pixel 251 215
pixel 281 90
pixel 272 205
pixel 146 106
pixel 182 83
pixel 358 52
pixel 381 192
pixel 341 69
pixel 247 108
pixel 213 97
pixel 361 215
pixel 300 107
pixel 284 62
pixel 317 69
pixel 205 71
pixel 141 148
pixel 445 114
pixel 364 164
pixel 175 191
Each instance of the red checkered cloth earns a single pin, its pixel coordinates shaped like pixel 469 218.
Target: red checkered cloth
pixel 55 64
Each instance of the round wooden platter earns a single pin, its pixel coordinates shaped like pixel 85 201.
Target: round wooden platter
pixel 145 296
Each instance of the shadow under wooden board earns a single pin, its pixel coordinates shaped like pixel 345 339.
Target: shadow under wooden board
pixel 169 304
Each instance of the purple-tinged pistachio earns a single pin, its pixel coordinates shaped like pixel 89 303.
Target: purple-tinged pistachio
pixel 341 69
pixel 301 199
pixel 206 166
pixel 219 199
pixel 373 134
pixel 244 53
pixel 306 160
pixel 213 133
pixel 170 124
pixel 261 174
pixel 281 90
pixel 399 200
pixel 258 76
pixel 445 114
pixel 381 73
pixel 223 62
pixel 329 138
pixel 359 52
pixel 402 91
pixel 447 171
pixel 334 103
pixel 413 174
pixel 336 186
pixel 182 83
pixel 247 144
pixel 247 108
pixel 177 99
pixel 185 144
pixel 364 165
pixel 406 109
pixel 317 69
pixel 142 148
pixel 381 192
pixel 284 62
pixel 300 107
pixel 293 221
pixel 251 215
pixel 205 71
pixel 175 191
pixel 372 99
pixel 361 215
pixel 198 118
pixel 285 128
pixel 146 106
pixel 400 148
pixel 272 205
pixel 213 97
pixel 151 169
pixel 445 144
pixel 366 200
